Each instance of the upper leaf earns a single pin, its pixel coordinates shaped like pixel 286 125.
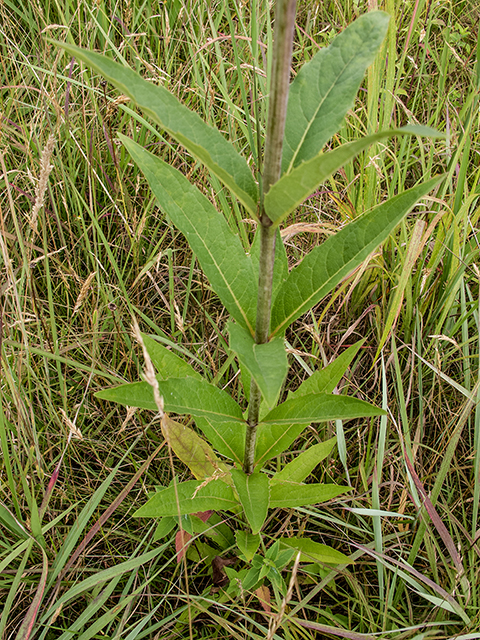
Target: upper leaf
pixel 325 380
pixel 325 266
pixel 266 362
pixel 303 465
pixel 254 493
pixel 320 407
pixel 325 88
pixel 292 188
pixel 202 141
pixel 180 395
pixel 167 363
pixel 217 248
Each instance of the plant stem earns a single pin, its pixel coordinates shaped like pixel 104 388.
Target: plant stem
pixel 277 111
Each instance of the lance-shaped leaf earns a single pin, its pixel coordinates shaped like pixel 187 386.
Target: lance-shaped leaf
pixel 320 407
pixel 274 439
pixel 325 266
pixel 325 88
pixel 218 249
pixel 202 141
pixel 228 438
pixel 282 426
pixel 167 363
pixel 214 495
pixel 253 491
pixel 190 448
pixel 314 551
pixel 285 495
pixel 294 187
pixel 180 395
pixel 303 465
pixel 325 380
pixel 267 362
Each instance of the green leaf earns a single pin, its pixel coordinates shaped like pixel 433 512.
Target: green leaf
pixel 294 187
pixel 164 526
pixel 167 363
pixel 325 88
pixel 228 438
pixel 267 362
pixel 253 491
pixel 282 426
pixel 288 495
pixel 202 141
pixel 181 396
pixel 247 543
pixel 325 266
pixel 320 407
pixel 314 551
pixel 303 465
pixel 215 495
pixel 190 448
pixel 218 249
pixel 325 380
pixel 274 439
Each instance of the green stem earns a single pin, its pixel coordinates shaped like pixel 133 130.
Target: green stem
pixel 277 111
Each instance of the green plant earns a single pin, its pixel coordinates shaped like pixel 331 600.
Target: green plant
pixel 262 297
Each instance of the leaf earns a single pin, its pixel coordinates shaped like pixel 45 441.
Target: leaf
pixel 228 438
pixel 325 380
pixel 218 249
pixel 282 426
pixel 167 363
pixel 286 495
pixel 314 551
pixel 180 395
pixel 214 495
pixel 247 543
pixel 190 448
pixel 294 187
pixel 320 407
pixel 202 141
pixel 302 465
pixel 325 88
pixel 253 491
pixel 325 266
pixel 274 439
pixel 267 362
pixel 164 526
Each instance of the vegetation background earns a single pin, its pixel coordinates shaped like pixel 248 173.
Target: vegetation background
pixel 84 249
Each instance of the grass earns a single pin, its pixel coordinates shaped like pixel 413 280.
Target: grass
pixel 98 252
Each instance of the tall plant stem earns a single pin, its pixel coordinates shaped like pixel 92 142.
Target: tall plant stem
pixel 277 111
